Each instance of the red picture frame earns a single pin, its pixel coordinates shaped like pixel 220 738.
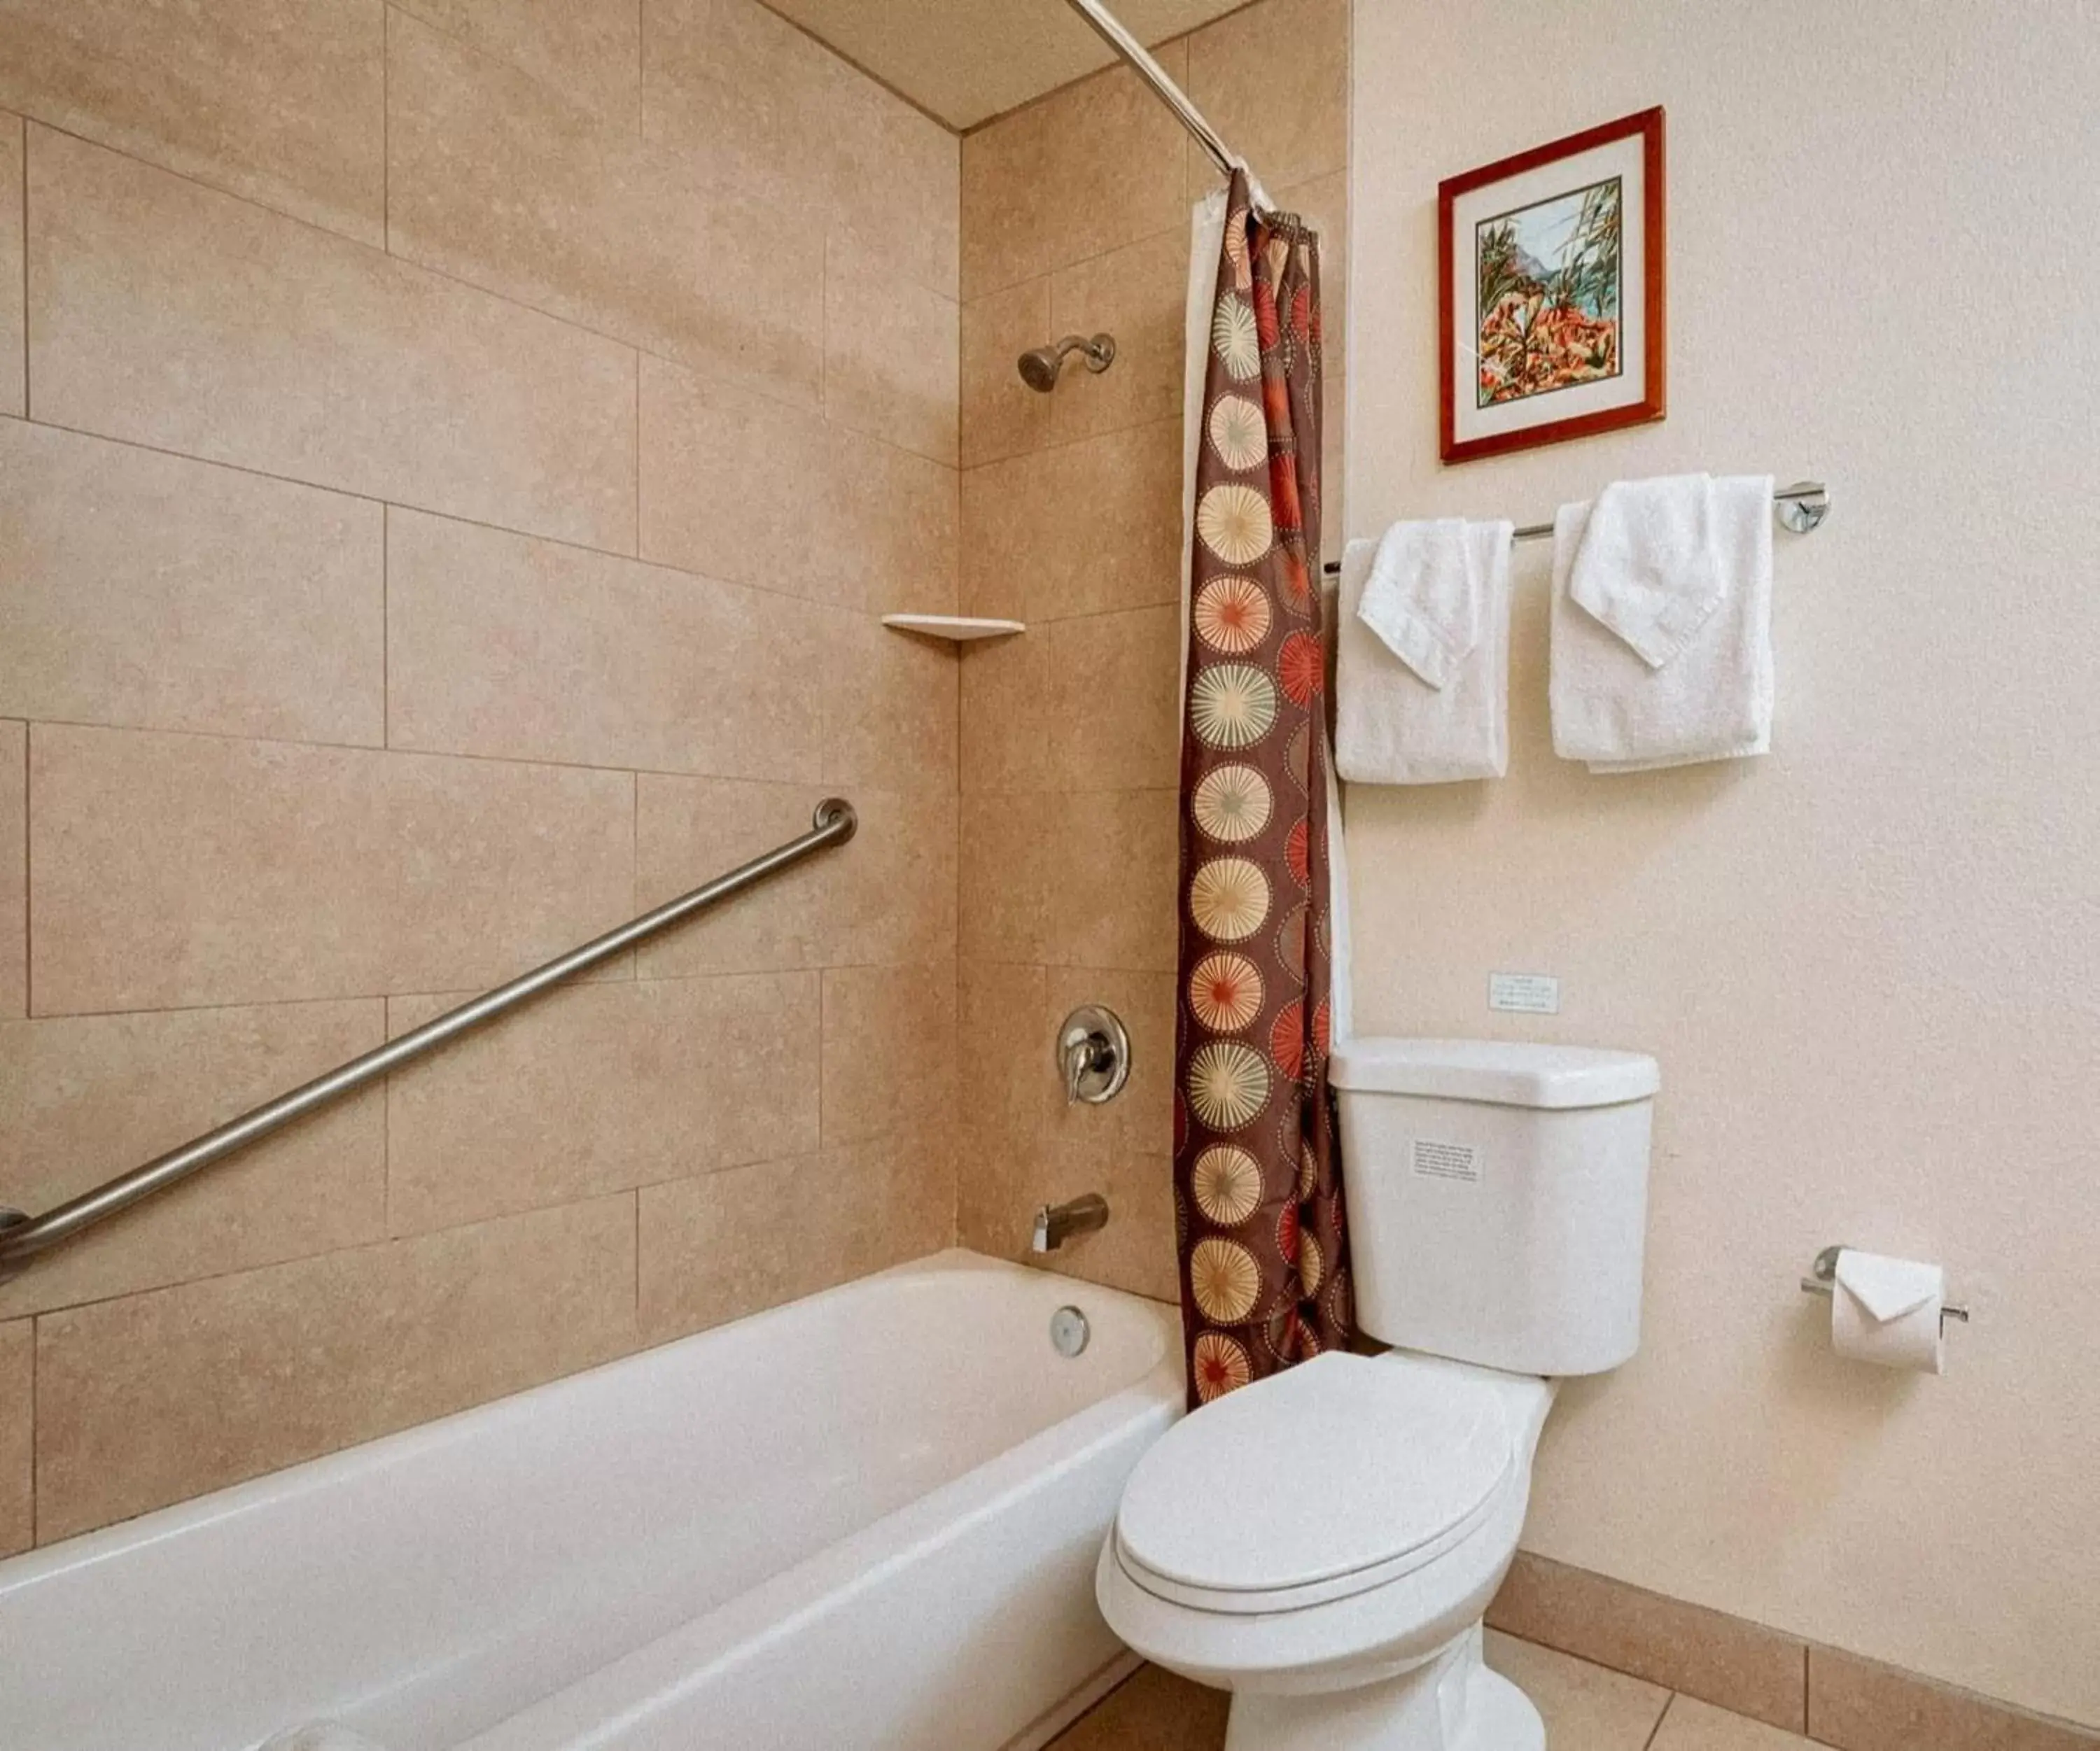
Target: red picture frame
pixel 1539 337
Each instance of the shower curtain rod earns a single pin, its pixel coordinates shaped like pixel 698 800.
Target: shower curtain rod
pixel 1110 30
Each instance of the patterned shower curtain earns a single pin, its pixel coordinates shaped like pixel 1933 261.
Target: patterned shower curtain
pixel 1257 1172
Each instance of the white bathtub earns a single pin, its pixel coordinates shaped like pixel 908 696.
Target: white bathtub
pixel 867 1519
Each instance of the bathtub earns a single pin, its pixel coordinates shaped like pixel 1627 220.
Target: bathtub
pixel 869 1518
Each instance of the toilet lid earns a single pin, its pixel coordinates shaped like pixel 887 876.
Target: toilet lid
pixel 1342 1464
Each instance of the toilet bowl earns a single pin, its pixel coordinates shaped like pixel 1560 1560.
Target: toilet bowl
pixel 1324 1543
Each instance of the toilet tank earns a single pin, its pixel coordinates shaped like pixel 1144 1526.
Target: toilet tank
pixel 1497 1198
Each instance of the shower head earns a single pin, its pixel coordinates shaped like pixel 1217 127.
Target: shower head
pixel 1039 368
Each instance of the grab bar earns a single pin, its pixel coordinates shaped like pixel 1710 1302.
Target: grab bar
pixel 23 1237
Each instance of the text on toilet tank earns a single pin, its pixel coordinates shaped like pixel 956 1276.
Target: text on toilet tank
pixel 1447 1160
pixel 1524 994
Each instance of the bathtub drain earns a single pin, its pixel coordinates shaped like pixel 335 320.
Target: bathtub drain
pixel 1068 1331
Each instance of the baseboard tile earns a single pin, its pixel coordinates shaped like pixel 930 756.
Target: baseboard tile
pixel 1837 1698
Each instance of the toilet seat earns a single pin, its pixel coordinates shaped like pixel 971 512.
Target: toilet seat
pixel 1336 1477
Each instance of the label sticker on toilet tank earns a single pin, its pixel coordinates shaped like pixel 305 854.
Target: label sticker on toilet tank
pixel 1447 1160
pixel 1525 994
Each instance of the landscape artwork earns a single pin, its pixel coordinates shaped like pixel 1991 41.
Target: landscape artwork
pixel 1549 295
pixel 1551 302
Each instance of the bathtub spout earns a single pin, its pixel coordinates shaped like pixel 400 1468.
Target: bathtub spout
pixel 1056 1223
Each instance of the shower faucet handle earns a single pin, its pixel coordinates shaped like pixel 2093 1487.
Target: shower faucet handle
pixel 1093 1050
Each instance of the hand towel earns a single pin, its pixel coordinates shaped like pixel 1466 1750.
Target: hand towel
pixel 1647 566
pixel 1423 596
pixel 1392 726
pixel 1711 696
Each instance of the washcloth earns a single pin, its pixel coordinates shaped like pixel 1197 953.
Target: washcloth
pixel 319 1735
pixel 1659 678
pixel 1648 566
pixel 1392 726
pixel 1423 596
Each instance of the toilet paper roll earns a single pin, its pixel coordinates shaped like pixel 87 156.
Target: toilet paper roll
pixel 1887 1312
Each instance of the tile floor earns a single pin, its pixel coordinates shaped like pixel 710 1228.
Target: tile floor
pixel 1587 1708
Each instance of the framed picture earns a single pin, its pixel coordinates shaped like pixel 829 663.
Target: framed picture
pixel 1550 301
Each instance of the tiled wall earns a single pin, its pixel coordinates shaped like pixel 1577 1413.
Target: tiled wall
pixel 452 455
pixel 1075 217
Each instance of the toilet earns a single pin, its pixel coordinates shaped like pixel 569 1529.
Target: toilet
pixel 1323 1543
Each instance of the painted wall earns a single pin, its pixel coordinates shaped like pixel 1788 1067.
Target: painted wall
pixel 1867 963
pixel 459 454
pixel 1075 217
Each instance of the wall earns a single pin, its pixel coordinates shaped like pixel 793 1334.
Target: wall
pixel 1867 963
pixel 1076 216
pixel 457 456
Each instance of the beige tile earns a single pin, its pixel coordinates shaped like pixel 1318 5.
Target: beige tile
pixel 1140 294
pixel 598 1088
pixel 1095 165
pixel 1152 1710
pixel 84 1098
pixel 887 896
pixel 743 96
pixel 502 644
pixel 740 486
pixel 157 1397
pixel 18 1513
pixel 895 182
pixel 14 870
pixel 889 1050
pixel 724 1245
pixel 144 590
pixel 1586 1707
pixel 327 362
pixel 1861 1705
pixel 1003 1060
pixel 891 368
pixel 590 51
pixel 1274 79
pixel 493 178
pixel 279 101
pixel 1075 704
pixel 1007 730
pixel 1001 415
pixel 1708 1655
pixel 1690 1725
pixel 1083 879
pixel 889 706
pixel 172 871
pixel 1080 529
pixel 14 319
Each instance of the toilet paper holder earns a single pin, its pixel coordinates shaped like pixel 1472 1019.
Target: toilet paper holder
pixel 1822 1280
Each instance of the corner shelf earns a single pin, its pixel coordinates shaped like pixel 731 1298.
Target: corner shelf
pixel 958 629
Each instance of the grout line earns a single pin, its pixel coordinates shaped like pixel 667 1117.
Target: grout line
pixel 637 455
pixel 22 134
pixel 386 627
pixel 34 1491
pixel 1656 1731
pixel 29 935
pixel 386 130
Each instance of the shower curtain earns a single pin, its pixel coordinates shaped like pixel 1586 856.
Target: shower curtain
pixel 1257 1172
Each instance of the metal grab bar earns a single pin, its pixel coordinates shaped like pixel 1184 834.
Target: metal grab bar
pixel 23 1237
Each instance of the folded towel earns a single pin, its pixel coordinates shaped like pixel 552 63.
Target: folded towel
pixel 1393 725
pixel 1647 566
pixel 319 1735
pixel 1711 697
pixel 1423 596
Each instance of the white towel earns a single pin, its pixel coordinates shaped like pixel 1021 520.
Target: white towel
pixel 1423 596
pixel 319 1735
pixel 1660 676
pixel 1392 726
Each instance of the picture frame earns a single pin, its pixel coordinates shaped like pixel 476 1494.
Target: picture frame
pixel 1552 300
